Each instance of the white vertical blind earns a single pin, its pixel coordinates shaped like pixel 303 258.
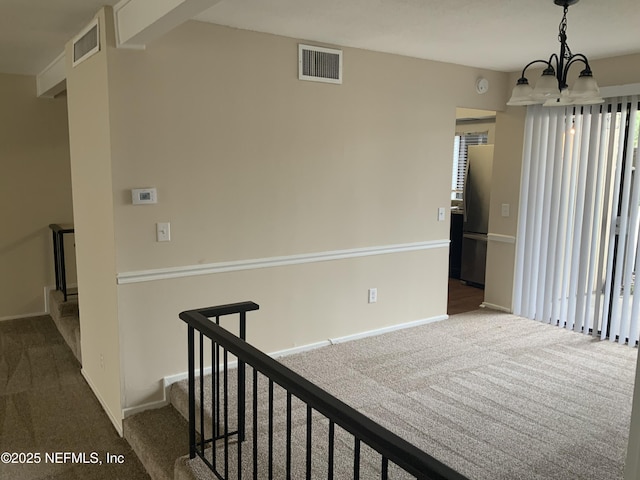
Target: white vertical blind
pixel 579 221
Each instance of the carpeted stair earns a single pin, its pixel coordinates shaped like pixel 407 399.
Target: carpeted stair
pixel 66 316
pixel 160 439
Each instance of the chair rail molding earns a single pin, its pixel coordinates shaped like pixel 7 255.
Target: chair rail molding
pixel 251 264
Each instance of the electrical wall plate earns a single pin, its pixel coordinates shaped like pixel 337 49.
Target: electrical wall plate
pixel 144 196
pixel 482 85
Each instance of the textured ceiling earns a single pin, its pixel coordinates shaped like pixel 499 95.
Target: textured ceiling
pixel 496 34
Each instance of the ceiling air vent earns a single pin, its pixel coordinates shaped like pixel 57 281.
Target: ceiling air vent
pixel 318 64
pixel 86 43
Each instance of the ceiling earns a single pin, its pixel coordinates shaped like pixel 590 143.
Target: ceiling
pixel 34 32
pixel 500 35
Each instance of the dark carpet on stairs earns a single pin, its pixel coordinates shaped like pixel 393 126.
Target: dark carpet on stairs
pixel 46 407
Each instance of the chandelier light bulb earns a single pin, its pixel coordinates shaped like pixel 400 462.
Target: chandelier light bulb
pixel 546 86
pixel 585 86
pixel 522 94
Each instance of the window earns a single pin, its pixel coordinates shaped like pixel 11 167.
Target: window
pixel 460 144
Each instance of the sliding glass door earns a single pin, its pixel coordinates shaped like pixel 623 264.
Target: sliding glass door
pixel 577 244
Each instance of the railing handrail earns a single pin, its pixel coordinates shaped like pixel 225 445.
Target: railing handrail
pixel 396 449
pixel 229 309
pixel 60 229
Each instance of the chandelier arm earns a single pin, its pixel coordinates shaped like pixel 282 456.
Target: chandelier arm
pixel 558 63
pixel 535 61
pixel 578 57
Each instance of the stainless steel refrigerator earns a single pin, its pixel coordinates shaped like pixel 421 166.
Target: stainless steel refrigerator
pixel 476 197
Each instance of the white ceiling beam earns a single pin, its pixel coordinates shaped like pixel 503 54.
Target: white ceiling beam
pixel 137 23
pixel 140 21
pixel 52 80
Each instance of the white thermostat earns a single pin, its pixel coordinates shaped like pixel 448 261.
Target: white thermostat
pixel 144 196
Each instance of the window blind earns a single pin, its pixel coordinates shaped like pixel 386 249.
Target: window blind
pixel 577 243
pixel 460 151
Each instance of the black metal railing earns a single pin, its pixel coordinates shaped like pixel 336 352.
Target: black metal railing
pixel 296 429
pixel 58 233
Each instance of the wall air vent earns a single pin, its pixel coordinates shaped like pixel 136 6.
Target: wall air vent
pixel 318 64
pixel 86 43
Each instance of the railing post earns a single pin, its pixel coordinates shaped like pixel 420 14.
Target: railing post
pixel 55 258
pixel 192 392
pixel 59 258
pixel 63 272
pixel 241 381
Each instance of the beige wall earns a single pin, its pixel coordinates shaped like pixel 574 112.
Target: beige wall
pixel 251 163
pixel 299 305
pixel 505 182
pixel 35 190
pixel 238 146
pixel 90 139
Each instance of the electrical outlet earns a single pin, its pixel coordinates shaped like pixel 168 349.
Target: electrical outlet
pixel 373 295
pixel 102 361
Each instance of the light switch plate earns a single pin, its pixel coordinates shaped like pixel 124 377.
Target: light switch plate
pixel 441 214
pixel 163 232
pixel 505 209
pixel 373 295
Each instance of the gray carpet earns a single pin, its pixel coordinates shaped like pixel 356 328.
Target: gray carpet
pixel 46 406
pixel 491 395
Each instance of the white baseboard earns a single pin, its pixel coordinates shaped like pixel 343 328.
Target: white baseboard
pixel 166 385
pixel 380 331
pixel 171 379
pixel 47 293
pixel 26 315
pixel 301 349
pixel 178 377
pixel 116 423
pixel 127 412
pixel 492 306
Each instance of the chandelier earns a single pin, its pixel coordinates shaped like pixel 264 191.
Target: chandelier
pixel 551 89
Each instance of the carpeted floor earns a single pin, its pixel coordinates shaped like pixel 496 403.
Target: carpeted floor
pixel 46 407
pixel 492 395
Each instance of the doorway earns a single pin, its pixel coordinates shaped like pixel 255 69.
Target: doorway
pixel 473 127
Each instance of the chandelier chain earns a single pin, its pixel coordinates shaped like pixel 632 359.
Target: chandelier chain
pixel 562 36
